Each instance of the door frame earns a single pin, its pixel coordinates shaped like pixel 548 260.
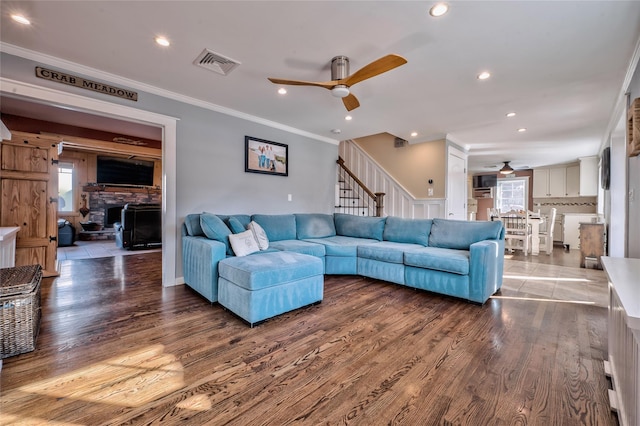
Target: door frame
pixel 453 151
pixel 40 94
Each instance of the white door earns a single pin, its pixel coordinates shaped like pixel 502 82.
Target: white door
pixel 456 184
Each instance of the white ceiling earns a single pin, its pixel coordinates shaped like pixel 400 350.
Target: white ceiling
pixel 560 65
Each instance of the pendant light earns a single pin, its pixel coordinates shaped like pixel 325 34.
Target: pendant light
pixel 506 169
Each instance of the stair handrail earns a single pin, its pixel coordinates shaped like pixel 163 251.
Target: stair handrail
pixel 377 197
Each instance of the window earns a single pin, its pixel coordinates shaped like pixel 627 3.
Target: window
pixel 65 187
pixel 512 194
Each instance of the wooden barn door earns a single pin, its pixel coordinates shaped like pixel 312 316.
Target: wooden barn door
pixel 29 184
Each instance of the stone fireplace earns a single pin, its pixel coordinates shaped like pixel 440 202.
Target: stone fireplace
pixel 106 202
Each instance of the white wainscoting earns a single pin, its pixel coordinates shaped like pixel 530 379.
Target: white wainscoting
pixel 397 200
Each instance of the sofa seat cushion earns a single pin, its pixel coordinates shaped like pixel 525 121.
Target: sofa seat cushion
pixel 342 246
pixel 386 251
pixel 299 246
pixel 439 259
pixel 269 269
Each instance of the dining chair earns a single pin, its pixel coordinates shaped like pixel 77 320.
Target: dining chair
pixel 546 236
pixel 517 232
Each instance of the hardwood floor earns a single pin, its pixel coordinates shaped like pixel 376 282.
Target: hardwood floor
pixel 116 348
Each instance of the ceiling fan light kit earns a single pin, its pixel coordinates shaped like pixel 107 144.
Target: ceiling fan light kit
pixel 341 81
pixel 506 169
pixel 340 91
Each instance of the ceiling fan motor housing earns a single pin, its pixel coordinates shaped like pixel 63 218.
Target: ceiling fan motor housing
pixel 339 68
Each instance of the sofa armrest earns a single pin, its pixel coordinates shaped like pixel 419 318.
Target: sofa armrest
pixel 486 261
pixel 200 257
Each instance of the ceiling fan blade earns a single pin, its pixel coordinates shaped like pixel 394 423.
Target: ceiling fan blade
pixel 326 84
pixel 384 64
pixel 350 102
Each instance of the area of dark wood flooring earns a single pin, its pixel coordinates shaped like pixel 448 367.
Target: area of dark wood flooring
pixel 116 348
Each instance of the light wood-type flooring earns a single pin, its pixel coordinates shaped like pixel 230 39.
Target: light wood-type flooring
pixel 116 348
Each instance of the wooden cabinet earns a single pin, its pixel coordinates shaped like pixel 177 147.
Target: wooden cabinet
pixel 592 243
pixel 29 188
pixel 633 129
pixel 540 183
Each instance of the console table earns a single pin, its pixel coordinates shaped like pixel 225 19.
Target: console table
pixel 624 337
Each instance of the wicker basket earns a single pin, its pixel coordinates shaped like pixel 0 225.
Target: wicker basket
pixel 19 309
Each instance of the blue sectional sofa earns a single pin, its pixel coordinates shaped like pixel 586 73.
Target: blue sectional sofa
pixel 463 259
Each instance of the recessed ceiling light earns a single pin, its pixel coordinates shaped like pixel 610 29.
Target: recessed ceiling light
pixel 510 114
pixel 484 75
pixel 414 134
pixel 21 19
pixel 336 131
pixel 282 91
pixel 438 9
pixel 522 129
pixel 348 118
pixel 162 41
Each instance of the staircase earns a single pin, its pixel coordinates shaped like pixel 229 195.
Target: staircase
pixel 353 197
pixel 397 200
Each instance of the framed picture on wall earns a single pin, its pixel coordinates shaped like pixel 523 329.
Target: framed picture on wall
pixel 262 156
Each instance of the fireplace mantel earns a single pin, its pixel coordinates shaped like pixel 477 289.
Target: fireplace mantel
pixel 126 189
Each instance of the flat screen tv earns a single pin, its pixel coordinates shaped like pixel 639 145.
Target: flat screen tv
pixel 485 181
pixel 124 171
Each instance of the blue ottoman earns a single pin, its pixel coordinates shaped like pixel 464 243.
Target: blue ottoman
pixel 261 286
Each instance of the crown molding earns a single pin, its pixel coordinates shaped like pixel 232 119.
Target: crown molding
pixel 118 80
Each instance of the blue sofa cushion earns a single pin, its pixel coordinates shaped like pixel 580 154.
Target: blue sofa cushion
pixel 235 225
pixel 342 246
pixel 460 234
pixel 439 259
pixel 386 251
pixel 349 225
pixel 192 223
pixel 299 246
pixel 314 225
pixel 244 219
pixel 414 231
pixel 215 229
pixel 268 269
pixel 277 227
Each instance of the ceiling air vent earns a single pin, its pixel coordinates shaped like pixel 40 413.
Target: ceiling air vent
pixel 215 62
pixel 399 142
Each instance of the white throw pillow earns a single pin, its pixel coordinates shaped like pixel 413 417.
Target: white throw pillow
pixel 243 243
pixel 259 235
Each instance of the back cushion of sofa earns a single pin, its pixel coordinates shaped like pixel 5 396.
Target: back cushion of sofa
pixel 215 229
pixel 314 225
pixel 414 231
pixel 460 234
pixel 359 226
pixel 244 220
pixel 192 223
pixel 278 227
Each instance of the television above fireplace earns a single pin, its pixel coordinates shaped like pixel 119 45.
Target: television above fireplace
pixel 124 171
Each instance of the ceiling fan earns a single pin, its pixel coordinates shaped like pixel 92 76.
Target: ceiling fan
pixel 341 81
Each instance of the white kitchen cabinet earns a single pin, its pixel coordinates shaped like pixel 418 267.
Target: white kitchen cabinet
pixel 556 182
pixel 589 176
pixel 540 183
pixel 572 181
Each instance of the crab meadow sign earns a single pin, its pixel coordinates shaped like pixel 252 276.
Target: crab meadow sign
pixel 83 83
